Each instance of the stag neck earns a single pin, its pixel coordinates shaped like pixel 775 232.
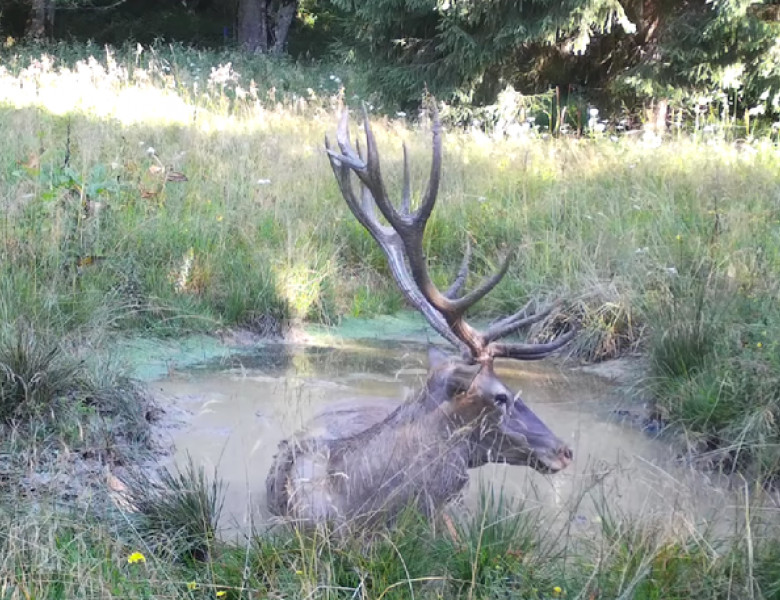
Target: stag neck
pixel 412 452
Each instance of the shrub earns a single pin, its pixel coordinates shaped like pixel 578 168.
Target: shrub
pixel 35 374
pixel 179 515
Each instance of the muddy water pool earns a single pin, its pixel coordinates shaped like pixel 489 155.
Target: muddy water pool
pixel 235 411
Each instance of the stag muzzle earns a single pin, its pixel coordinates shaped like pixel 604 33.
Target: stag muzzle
pixel 526 440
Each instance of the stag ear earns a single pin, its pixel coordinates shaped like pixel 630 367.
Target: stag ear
pixel 437 358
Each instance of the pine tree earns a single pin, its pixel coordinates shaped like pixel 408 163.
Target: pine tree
pixel 615 52
pixel 473 47
pixel 710 52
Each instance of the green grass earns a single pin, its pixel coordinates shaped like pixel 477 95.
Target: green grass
pixel 670 249
pixel 501 550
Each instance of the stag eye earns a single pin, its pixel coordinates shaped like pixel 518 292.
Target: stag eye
pixel 502 399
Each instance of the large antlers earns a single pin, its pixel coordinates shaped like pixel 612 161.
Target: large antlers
pixel 402 243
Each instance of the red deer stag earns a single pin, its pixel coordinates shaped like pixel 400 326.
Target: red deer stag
pixel 365 466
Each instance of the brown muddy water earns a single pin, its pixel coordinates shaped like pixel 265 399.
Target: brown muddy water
pixel 235 412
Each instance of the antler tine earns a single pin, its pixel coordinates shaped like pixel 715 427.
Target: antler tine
pixel 367 169
pixel 463 272
pixel 462 304
pixel 429 199
pixel 516 321
pixel 530 351
pixel 347 156
pixel 406 197
pixel 342 137
pixel 367 201
pixel 341 165
pixel 372 176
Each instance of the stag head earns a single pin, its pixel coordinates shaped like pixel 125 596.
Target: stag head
pixel 500 427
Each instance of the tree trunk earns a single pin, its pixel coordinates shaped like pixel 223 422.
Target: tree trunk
pixel 284 18
pixel 252 25
pixel 49 18
pixel 38 20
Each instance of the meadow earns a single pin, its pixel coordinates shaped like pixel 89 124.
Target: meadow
pixel 166 191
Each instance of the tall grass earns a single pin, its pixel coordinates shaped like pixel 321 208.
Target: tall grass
pixel 179 515
pixel 500 550
pixel 34 374
pixel 259 226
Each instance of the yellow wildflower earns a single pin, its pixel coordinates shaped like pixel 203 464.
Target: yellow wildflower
pixel 219 218
pixel 192 586
pixel 136 557
pixel 679 237
pixel 221 593
pixel 557 590
pixel 759 345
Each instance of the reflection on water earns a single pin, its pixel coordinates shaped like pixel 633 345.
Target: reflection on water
pixel 241 409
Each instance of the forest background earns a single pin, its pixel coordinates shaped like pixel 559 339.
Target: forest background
pixel 637 59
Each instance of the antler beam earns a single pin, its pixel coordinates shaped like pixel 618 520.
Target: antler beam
pixel 402 243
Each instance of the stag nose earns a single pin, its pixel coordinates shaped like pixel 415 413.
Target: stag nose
pixel 565 454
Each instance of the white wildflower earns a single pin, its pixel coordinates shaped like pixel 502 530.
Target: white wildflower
pixel 182 281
